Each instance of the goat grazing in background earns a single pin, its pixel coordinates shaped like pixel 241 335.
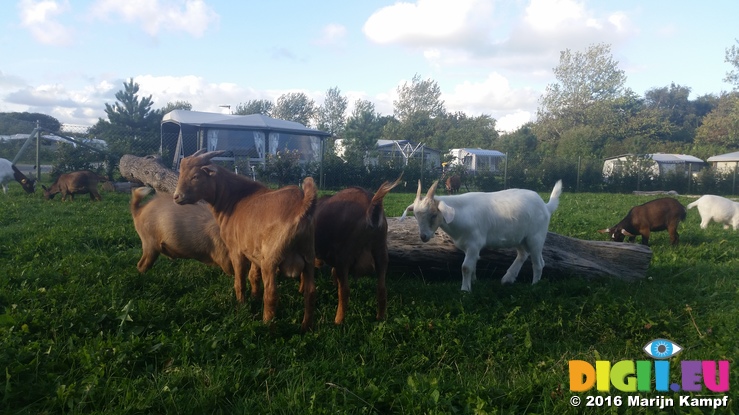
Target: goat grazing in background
pixel 177 231
pixel 719 209
pixel 453 183
pixel 513 218
pixel 272 229
pixel 76 182
pixel 351 237
pixel 656 215
pixel 8 172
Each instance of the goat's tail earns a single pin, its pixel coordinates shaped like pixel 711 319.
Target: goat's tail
pixel 692 205
pixel 309 197
pixel 375 209
pixel 137 196
pixel 554 198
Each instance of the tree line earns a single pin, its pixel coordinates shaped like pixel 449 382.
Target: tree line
pixel 586 112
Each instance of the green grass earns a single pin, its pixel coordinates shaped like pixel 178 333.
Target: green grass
pixel 82 332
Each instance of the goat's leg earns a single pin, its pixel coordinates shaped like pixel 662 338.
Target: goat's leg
pixel 341 276
pixel 309 294
pixel 381 260
pixel 512 273
pixel 269 298
pixel 254 276
pixel 239 264
pixel 469 265
pixel 645 237
pixel 148 257
pixel 674 236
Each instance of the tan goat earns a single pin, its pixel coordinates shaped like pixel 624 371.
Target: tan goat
pixel 272 229
pixel 351 237
pixel 177 231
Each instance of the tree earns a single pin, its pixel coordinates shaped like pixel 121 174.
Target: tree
pixel 132 126
pixel 177 105
pixel 295 106
pixel 732 58
pixel 331 114
pixel 721 126
pixel 363 129
pixel 583 80
pixel 255 106
pixel 25 122
pixel 421 97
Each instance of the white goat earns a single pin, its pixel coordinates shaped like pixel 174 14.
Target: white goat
pixel 513 218
pixel 719 209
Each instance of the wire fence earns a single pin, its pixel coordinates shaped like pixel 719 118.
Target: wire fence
pixel 47 154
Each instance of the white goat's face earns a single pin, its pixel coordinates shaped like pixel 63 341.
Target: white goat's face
pixel 430 213
pixel 428 216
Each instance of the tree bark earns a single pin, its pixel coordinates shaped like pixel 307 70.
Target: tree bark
pixel 563 256
pixel 149 171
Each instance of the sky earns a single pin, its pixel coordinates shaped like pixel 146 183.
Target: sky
pixel 67 58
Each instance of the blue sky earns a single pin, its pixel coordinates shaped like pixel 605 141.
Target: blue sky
pixel 67 58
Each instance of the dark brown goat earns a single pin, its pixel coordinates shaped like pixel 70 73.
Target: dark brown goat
pixel 453 183
pixel 351 237
pixel 177 231
pixel 272 229
pixel 657 215
pixel 76 182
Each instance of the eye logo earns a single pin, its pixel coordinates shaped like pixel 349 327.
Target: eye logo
pixel 662 349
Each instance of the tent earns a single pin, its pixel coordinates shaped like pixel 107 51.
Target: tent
pixel 251 137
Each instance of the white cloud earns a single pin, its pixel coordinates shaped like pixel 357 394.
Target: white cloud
pixel 154 16
pixel 332 34
pixel 428 22
pixel 495 97
pixel 39 17
pixel 473 32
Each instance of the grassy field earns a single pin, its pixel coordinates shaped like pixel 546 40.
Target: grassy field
pixel 82 332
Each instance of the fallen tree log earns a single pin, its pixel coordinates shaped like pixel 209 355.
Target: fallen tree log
pixel 563 256
pixel 149 171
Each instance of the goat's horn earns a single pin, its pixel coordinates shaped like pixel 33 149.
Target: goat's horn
pixel 199 152
pixel 432 190
pixel 418 193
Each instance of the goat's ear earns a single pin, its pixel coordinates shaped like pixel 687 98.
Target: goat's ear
pixel 447 212
pixel 405 212
pixel 210 170
pixel 627 233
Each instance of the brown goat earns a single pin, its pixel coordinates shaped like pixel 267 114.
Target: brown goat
pixel 76 182
pixel 272 229
pixel 657 215
pixel 351 237
pixel 453 183
pixel 177 231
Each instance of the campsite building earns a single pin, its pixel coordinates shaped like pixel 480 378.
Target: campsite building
pixel 400 150
pixel 656 164
pixel 249 137
pixel 478 160
pixel 725 163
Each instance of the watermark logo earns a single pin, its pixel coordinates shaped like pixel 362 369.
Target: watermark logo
pixel 637 375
